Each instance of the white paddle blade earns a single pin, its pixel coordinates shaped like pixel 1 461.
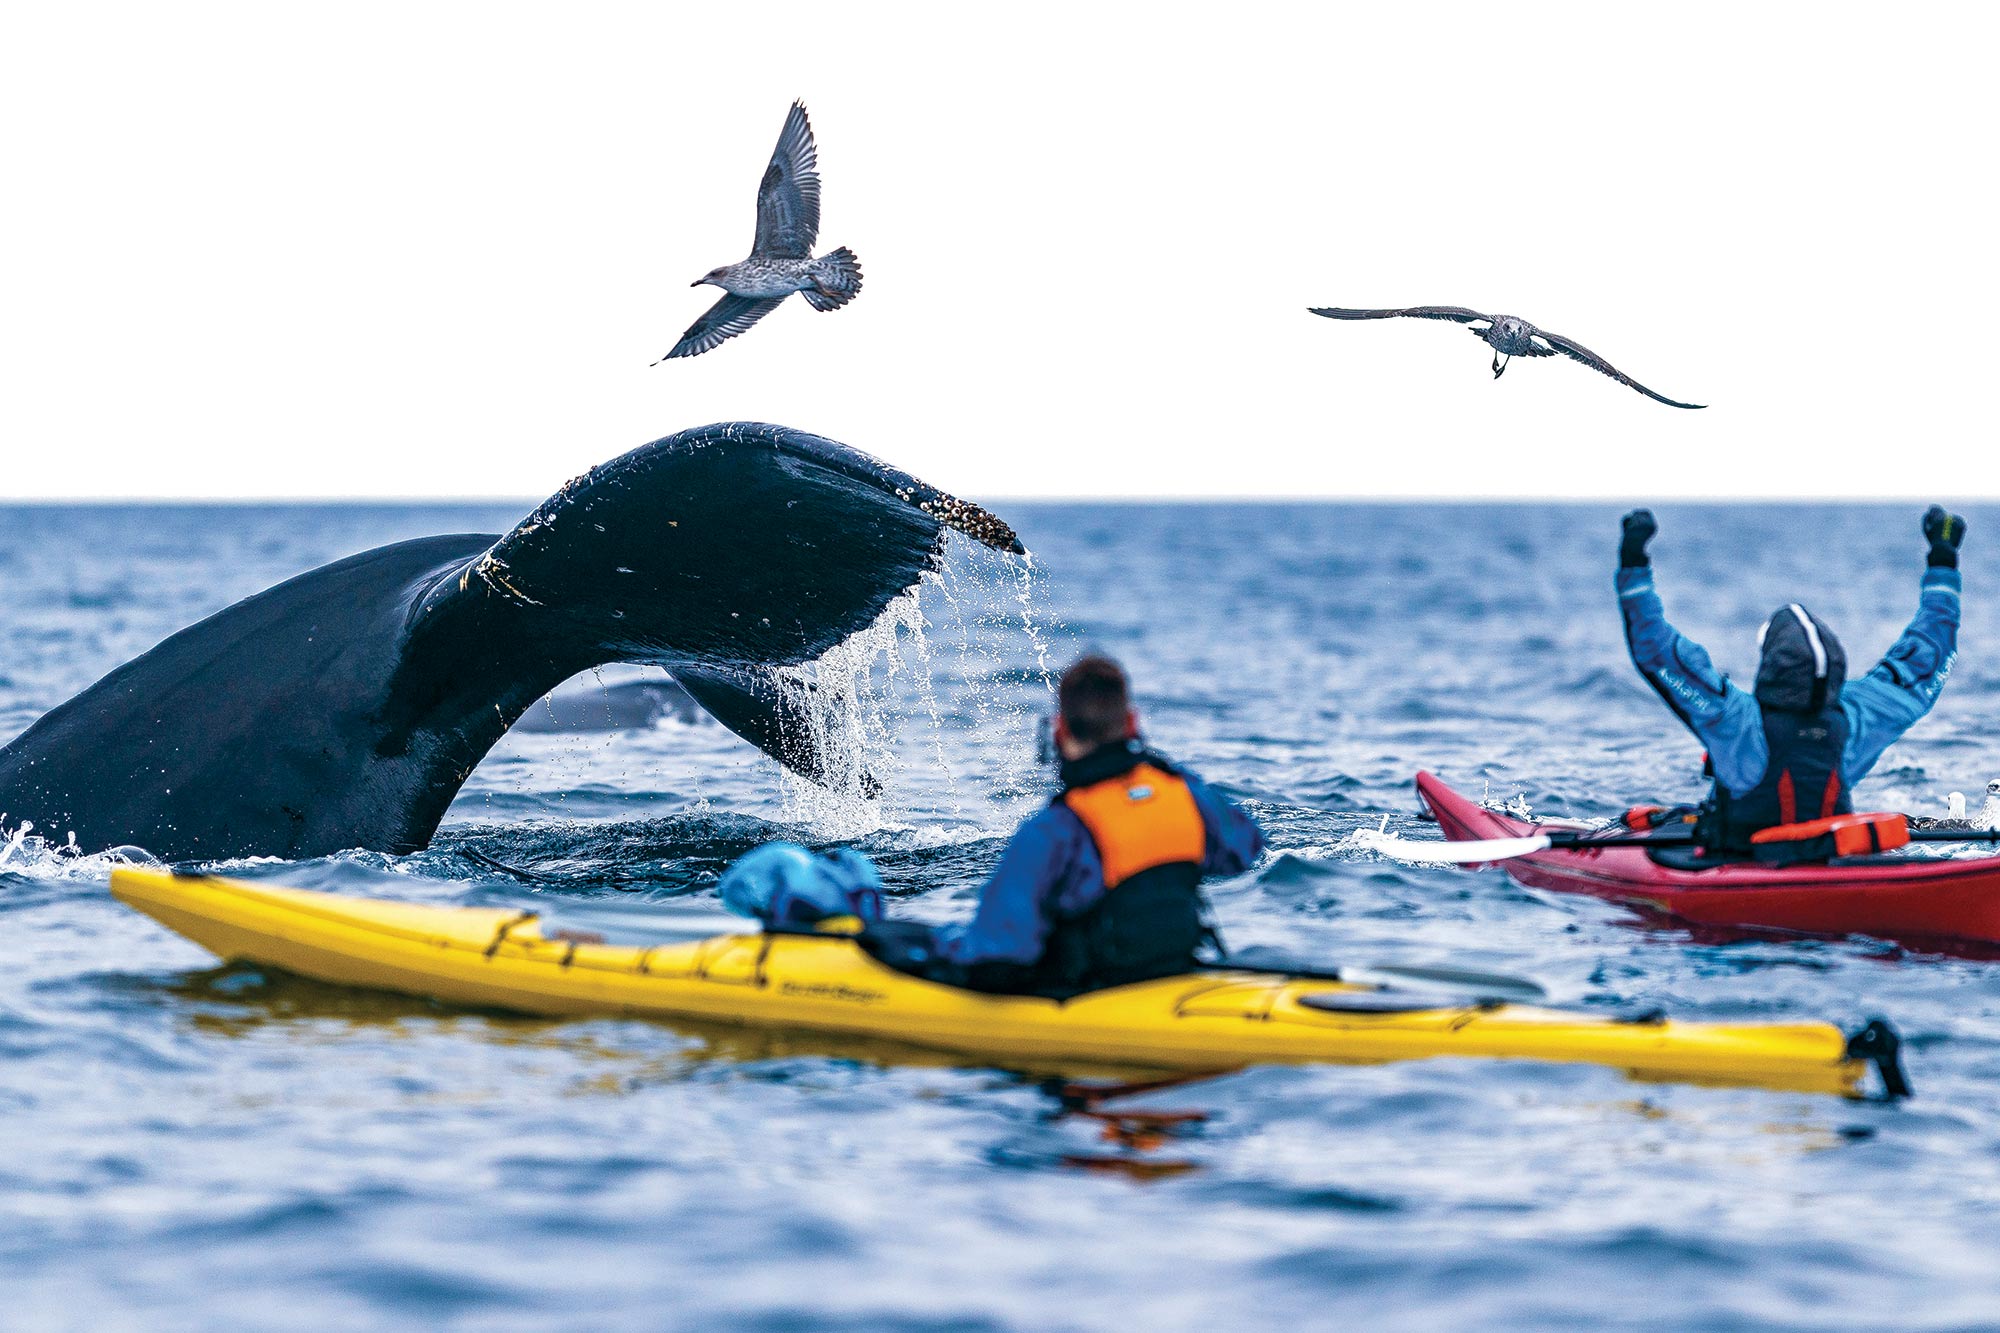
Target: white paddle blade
pixel 1447 853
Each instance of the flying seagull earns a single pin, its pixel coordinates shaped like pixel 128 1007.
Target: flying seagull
pixel 781 260
pixel 1509 337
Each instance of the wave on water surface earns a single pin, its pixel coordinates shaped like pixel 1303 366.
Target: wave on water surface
pixel 220 1144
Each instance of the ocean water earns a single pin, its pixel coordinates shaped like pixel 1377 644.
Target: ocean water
pixel 195 1146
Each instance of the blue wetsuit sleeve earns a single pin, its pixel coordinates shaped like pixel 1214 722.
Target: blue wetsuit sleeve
pixel 1901 688
pixel 1011 924
pixel 1724 717
pixel 1234 842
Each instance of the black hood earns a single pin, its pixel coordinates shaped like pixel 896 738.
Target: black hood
pixel 1106 761
pixel 1795 675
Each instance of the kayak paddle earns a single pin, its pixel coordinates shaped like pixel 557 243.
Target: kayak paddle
pixel 1455 853
pixel 1487 850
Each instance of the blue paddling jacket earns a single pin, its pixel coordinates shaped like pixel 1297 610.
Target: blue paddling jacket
pixel 1795 749
pixel 1160 828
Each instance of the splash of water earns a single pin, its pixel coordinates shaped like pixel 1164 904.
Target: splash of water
pixel 1027 774
pixel 928 699
pixel 979 602
pixel 28 854
pixel 1517 806
pixel 1024 594
pixel 855 703
pixel 843 712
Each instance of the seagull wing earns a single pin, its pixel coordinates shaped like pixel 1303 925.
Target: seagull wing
pixel 724 320
pixel 788 197
pixel 1457 313
pixel 1578 352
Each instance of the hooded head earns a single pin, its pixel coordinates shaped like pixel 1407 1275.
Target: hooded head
pixel 1801 667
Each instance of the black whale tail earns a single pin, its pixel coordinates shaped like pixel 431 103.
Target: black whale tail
pixel 346 707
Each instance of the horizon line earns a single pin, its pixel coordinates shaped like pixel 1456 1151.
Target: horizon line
pixel 1253 498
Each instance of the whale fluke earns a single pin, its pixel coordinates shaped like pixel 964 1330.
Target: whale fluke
pixel 345 707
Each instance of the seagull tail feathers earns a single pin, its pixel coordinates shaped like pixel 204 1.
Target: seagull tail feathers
pixel 836 280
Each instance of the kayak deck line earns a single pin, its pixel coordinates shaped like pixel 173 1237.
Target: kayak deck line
pixel 1209 1021
pixel 1922 900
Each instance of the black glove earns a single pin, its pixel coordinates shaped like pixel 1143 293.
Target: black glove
pixel 1639 529
pixel 1945 531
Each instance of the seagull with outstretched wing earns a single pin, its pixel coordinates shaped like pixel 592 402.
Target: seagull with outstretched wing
pixel 781 260
pixel 1509 337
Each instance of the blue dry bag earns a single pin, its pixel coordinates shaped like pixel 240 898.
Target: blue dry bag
pixel 784 884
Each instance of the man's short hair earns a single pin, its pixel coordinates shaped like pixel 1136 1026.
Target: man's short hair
pixel 1095 700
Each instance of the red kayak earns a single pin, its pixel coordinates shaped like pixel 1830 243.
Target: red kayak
pixel 1910 898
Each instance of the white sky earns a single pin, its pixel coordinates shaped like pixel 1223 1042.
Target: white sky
pixel 429 251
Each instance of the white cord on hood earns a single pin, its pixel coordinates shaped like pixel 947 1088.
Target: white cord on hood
pixel 1812 637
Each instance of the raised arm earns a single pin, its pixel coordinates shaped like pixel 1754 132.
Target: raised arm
pixel 1724 718
pixel 1901 688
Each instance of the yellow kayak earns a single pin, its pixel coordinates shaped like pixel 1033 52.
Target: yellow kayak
pixel 1206 1021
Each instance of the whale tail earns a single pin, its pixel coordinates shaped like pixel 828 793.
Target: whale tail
pixel 836 280
pixel 346 707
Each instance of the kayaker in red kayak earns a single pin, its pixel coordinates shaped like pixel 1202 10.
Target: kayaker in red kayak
pixel 1794 749
pixel 1103 886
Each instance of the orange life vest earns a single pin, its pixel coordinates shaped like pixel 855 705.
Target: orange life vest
pixel 1152 842
pixel 1142 818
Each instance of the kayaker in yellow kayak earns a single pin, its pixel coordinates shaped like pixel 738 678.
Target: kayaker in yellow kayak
pixel 1101 888
pixel 1794 749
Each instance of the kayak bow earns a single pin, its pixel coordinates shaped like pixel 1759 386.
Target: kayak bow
pixel 1207 1021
